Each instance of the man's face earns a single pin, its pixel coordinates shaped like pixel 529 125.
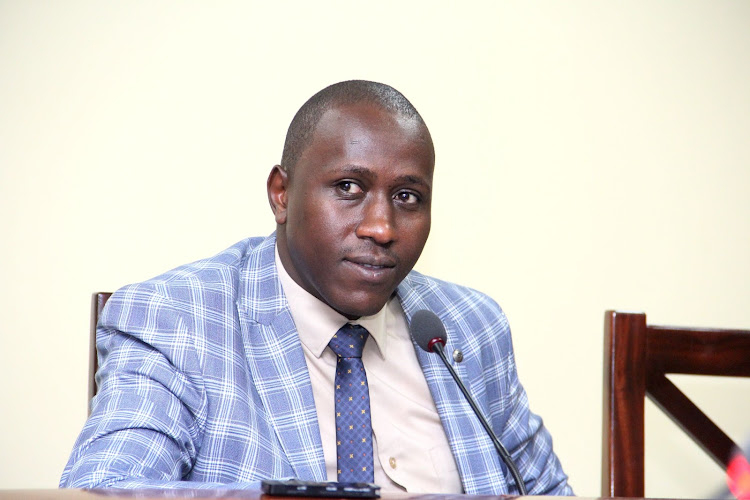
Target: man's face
pixel 354 216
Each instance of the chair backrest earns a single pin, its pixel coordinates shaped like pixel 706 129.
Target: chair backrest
pixel 97 304
pixel 637 357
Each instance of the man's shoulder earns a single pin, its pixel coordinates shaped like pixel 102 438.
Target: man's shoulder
pixel 230 259
pixel 470 316
pixel 421 291
pixel 219 273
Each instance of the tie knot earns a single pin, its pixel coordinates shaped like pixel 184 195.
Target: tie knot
pixel 349 341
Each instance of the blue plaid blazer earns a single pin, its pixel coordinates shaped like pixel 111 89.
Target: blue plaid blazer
pixel 203 384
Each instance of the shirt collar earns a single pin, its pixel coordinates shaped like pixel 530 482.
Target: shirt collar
pixel 316 321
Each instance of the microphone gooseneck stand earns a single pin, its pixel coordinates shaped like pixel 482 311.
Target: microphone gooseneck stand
pixel 437 346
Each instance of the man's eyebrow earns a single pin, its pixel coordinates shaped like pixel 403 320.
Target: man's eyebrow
pixel 413 179
pixel 357 169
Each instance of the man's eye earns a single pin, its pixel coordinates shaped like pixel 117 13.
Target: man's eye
pixel 349 187
pixel 407 197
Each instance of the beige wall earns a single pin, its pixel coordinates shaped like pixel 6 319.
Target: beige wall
pixel 591 155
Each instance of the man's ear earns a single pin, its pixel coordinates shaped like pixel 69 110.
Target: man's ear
pixel 276 186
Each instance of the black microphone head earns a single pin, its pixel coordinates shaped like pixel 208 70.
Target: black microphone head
pixel 426 327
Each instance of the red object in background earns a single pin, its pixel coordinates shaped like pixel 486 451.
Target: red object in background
pixel 738 477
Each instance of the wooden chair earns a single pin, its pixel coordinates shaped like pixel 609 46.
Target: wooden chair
pixel 637 357
pixel 97 304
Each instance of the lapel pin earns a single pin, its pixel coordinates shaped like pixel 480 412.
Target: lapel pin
pixel 458 356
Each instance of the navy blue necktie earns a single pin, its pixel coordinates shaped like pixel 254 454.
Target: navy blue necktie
pixel 353 424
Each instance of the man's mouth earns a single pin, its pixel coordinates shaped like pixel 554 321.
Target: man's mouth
pixel 372 262
pixel 370 269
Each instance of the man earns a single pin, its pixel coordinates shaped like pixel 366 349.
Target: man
pixel 226 371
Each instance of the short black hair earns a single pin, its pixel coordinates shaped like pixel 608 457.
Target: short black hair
pixel 303 125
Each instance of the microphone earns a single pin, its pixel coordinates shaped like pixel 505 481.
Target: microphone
pixel 429 333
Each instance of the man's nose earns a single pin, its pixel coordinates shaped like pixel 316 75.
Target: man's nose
pixel 378 222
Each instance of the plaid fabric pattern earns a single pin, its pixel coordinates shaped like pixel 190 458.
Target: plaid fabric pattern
pixel 353 424
pixel 203 384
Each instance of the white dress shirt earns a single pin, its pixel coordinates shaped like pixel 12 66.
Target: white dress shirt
pixel 410 449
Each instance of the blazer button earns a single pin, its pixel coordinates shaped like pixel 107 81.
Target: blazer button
pixel 392 462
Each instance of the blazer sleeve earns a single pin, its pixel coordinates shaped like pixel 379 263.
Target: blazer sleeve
pixel 147 420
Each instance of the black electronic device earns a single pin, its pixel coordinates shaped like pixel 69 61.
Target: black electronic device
pixel 297 488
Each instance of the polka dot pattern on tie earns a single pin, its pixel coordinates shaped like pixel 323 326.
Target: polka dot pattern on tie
pixel 353 423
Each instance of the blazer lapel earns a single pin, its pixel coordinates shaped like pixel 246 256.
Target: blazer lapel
pixel 472 449
pixel 277 363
